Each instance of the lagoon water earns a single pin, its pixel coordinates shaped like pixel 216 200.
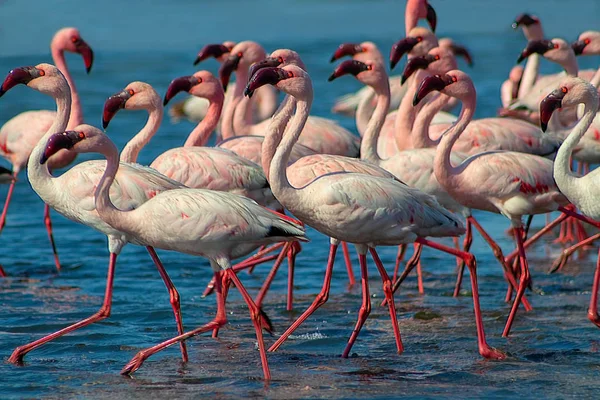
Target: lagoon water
pixel 553 352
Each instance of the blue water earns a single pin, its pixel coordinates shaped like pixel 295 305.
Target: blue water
pixel 553 351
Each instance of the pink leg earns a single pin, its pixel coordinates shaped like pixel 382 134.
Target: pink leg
pixel 420 277
pixel 569 211
pixel 48 223
pixel 321 299
pixel 220 320
pixel 387 290
pixel 294 250
pixel 560 262
pixel 593 309
pixel 2 272
pixel 535 237
pixel 461 267
pixel 410 265
pixel 11 188
pixel 484 348
pixel 173 298
pixel 265 287
pixel 365 308
pixel 348 262
pixel 399 258
pixel 523 281
pixel 103 313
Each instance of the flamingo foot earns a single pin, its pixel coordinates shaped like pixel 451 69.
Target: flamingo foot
pixel 595 318
pixel 17 356
pixel 491 353
pixel 135 364
pixel 560 262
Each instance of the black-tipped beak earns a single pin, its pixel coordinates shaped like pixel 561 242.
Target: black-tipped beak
pixel 227 69
pixel 22 75
pixel 461 51
pixel 550 103
pixel 535 46
pixel 112 105
pixel 82 48
pixel 59 141
pixel 352 67
pixel 268 62
pixel 578 47
pixel 430 84
pixel 346 49
pixel 400 48
pixel 211 50
pixel 415 63
pixel 431 17
pixel 265 76
pixel 182 84
pixel 525 20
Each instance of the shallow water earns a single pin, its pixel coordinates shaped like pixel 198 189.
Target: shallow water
pixel 553 351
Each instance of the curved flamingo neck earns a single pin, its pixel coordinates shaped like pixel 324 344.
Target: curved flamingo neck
pixel 405 117
pixel 76 112
pixel 571 67
pixel 595 81
pixel 199 136
pixel 530 74
pixel 443 169
pixel 565 179
pixel 364 112
pixel 281 187
pixel 134 146
pixel 368 145
pixel 228 115
pixel 275 132
pixel 420 138
pixel 240 116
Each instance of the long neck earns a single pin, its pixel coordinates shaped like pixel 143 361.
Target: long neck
pixel 240 122
pixel 241 79
pixel 275 132
pixel 364 111
pixel 227 122
pixel 39 176
pixel 563 176
pixel 368 145
pixel 76 117
pixel 199 136
pixel 405 116
pixel 530 73
pixel 595 81
pixel 277 172
pixel 134 146
pixel 443 169
pixel 420 132
pixel 571 67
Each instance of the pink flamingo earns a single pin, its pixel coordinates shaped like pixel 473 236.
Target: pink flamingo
pixel 532 29
pixel 510 183
pixel 580 190
pixel 357 208
pixel 509 91
pixel 322 135
pixel 72 193
pixel 208 223
pixel 20 134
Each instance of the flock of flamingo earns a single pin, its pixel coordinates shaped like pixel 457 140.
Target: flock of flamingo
pixel 415 172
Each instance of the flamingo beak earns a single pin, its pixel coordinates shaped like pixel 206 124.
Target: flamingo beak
pixel 415 63
pixel 463 52
pixel 227 69
pixel 59 141
pixel 268 62
pixel 578 47
pixel 211 50
pixel 430 84
pixel 352 67
pixel 265 76
pixel 113 104
pixel 550 103
pixel 182 84
pixel 400 48
pixel 82 48
pixel 535 46
pixel 22 75
pixel 346 49
pixel 431 17
pixel 524 20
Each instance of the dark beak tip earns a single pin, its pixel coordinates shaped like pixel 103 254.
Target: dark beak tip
pixel 331 77
pixel 403 79
pixel 332 59
pixel 521 58
pixel 105 123
pixel 88 69
pixel 544 126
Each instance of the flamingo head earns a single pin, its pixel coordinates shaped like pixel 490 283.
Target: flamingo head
pixel 291 79
pixel 525 20
pixel 532 28
pixel 82 139
pixel 571 92
pixel 588 43
pixel 242 56
pixel 370 73
pixel 417 43
pixel 422 9
pixel 455 83
pixel 201 84
pixel 69 39
pixel 457 50
pixel 135 96
pixel 438 61
pixel 346 49
pixel 45 78
pixel 278 58
pixel 218 51
pixel 556 50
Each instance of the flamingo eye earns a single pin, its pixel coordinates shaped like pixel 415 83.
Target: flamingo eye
pixel 199 80
pixel 564 89
pixel 280 60
pixel 369 67
pixel 419 38
pixel 586 41
pixel 239 54
pixel 454 79
pixel 290 74
pixel 81 135
pixel 437 57
pixel 556 45
pixel 42 72
pixel 131 92
pixel 74 39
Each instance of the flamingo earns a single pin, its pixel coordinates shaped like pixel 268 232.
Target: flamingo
pixel 20 134
pixel 510 183
pixel 580 190
pixel 322 135
pixel 71 194
pixel 357 208
pixel 509 91
pixel 532 29
pixel 208 223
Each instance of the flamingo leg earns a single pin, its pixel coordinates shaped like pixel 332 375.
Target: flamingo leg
pixel 560 262
pixel 484 348
pixel 48 223
pixel 569 211
pixel 11 189
pixel 387 290
pixel 593 309
pixel 267 284
pixel 410 265
pixel 2 272
pixel 219 320
pixel 461 267
pixel 399 258
pixel 321 299
pixel 523 281
pixel 348 261
pixel 535 238
pixel 420 277
pixel 294 250
pixel 173 298
pixel 365 308
pixel 104 312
